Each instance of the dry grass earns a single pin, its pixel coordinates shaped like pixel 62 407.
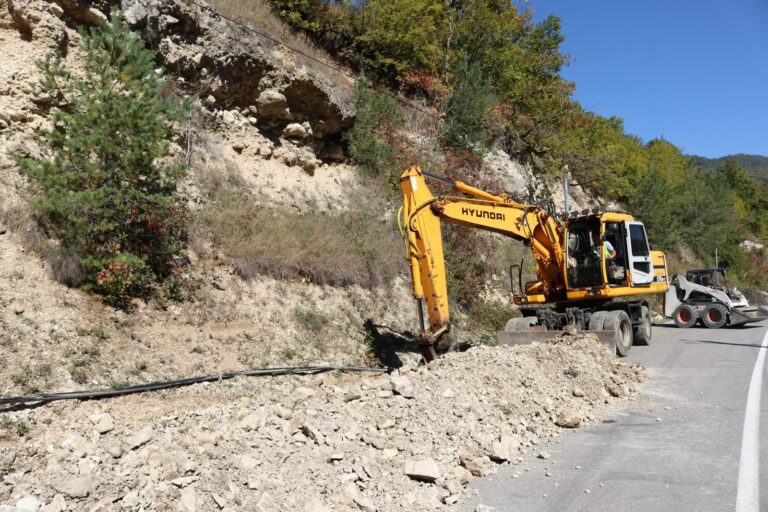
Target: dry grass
pixel 325 249
pixel 258 15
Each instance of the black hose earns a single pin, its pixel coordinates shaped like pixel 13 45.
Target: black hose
pixel 156 386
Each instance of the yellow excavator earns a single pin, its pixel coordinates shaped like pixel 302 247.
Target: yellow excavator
pixel 586 266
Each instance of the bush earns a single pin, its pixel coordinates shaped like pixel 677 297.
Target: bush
pixel 371 140
pixel 103 193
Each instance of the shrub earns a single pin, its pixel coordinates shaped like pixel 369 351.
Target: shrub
pixel 103 192
pixel 371 140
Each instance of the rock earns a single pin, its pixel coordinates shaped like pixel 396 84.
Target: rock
pixel 57 504
pixel 56 10
pixel 130 500
pixel 141 438
pixel 402 386
pixel 184 481
pixel 578 392
pixel 461 474
pixel 29 504
pixel 26 149
pixel 272 104
pixel 74 487
pixel 220 502
pixel 74 442
pixel 188 500
pixel 114 450
pixel 210 100
pixel 95 17
pixel 102 423
pixel 294 131
pixel 425 470
pixel 134 12
pixel 364 503
pixel 475 465
pixel 568 418
pixel 313 434
pixel 505 449
pixel 544 455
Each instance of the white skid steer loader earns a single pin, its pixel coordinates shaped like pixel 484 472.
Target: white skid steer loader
pixel 704 295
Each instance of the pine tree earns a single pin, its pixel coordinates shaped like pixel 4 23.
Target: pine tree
pixel 104 193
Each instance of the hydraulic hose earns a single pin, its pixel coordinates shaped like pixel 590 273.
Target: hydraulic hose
pixel 157 386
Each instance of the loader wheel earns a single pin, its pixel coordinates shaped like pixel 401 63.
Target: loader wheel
pixel 520 324
pixel 621 325
pixel 596 320
pixel 714 316
pixel 643 331
pixel 685 316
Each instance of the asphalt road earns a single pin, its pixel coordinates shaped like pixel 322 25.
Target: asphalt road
pixel 678 447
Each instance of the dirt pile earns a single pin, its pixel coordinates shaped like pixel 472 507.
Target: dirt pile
pixel 409 441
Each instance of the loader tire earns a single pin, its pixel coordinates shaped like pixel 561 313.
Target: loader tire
pixel 714 316
pixel 685 316
pixel 619 322
pixel 644 330
pixel 520 324
pixel 596 320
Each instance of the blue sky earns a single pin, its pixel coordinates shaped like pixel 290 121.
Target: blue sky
pixel 692 71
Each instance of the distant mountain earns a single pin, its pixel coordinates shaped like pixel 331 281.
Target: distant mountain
pixel 756 165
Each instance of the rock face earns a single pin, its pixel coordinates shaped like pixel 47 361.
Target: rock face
pixel 232 65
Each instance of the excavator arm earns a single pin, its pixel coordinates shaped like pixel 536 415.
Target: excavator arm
pixel 421 218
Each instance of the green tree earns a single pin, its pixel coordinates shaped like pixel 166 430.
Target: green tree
pixel 104 192
pixel 399 35
pixel 467 107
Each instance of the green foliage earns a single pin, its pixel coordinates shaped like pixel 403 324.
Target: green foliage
pixel 104 193
pixel 399 35
pixel 372 139
pixel 467 107
pixel 755 165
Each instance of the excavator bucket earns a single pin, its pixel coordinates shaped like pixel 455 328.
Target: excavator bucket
pixel 745 316
pixel 540 335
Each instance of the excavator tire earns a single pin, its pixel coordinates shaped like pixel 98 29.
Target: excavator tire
pixel 685 316
pixel 596 320
pixel 643 331
pixel 714 316
pixel 618 321
pixel 520 324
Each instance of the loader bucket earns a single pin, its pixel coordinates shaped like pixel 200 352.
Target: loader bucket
pixel 607 338
pixel 742 316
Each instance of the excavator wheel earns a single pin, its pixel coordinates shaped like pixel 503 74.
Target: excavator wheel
pixel 596 320
pixel 618 321
pixel 685 316
pixel 643 331
pixel 520 324
pixel 714 316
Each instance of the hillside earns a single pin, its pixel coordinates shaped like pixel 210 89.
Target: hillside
pixel 292 258
pixel 756 165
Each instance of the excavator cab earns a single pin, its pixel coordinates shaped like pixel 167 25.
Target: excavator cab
pixel 607 255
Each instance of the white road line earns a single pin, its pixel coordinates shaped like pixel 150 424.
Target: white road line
pixel 748 492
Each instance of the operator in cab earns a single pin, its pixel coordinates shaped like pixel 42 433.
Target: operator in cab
pixel 608 250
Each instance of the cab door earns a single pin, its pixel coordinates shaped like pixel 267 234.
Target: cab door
pixel 639 254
